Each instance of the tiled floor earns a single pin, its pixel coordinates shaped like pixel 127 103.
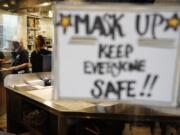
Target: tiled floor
pixel 3 120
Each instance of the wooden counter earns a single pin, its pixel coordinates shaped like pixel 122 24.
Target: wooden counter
pixel 61 115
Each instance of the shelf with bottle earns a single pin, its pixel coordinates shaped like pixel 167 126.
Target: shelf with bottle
pixel 32 22
pixel 33 29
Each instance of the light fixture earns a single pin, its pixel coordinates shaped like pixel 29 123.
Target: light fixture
pixel 5 5
pixel 12 2
pixel 45 4
pixel 50 13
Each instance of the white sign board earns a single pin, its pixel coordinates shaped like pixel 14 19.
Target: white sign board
pixel 109 52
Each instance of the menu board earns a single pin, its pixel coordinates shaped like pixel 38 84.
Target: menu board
pixel 112 53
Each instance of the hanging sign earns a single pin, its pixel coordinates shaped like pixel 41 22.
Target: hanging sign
pixel 112 53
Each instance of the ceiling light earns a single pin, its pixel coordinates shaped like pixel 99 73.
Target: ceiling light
pixel 5 5
pixel 50 13
pixel 45 4
pixel 12 2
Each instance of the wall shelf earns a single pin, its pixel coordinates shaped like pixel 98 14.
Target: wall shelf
pixel 32 30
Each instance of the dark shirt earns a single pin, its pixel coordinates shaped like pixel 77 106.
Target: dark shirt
pixel 1 57
pixel 37 60
pixel 1 75
pixel 20 57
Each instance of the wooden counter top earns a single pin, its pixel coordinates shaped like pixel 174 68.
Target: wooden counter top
pixel 44 95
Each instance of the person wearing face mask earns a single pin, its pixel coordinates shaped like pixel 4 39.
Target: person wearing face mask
pixel 37 55
pixel 20 59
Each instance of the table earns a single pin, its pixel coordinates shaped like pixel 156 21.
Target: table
pixel 63 115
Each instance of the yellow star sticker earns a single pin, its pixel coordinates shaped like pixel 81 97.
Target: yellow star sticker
pixel 174 22
pixel 65 21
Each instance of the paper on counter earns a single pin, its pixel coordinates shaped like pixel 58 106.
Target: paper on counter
pixel 20 85
pixel 39 87
pixel 45 94
pixel 35 82
pixel 26 87
pixel 74 105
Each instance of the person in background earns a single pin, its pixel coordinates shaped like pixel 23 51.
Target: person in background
pixel 2 58
pixel 2 91
pixel 37 55
pixel 2 61
pixel 19 60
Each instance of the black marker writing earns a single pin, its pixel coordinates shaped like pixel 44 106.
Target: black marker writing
pixel 152 80
pixel 103 89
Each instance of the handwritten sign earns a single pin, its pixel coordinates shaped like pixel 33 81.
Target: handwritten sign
pixel 107 52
